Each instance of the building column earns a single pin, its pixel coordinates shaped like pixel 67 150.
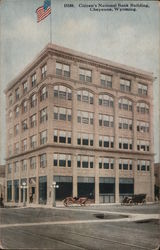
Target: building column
pixel 13 200
pixel 116 180
pixel 134 126
pixel 74 118
pixel 37 181
pixel 96 121
pixel 116 126
pixel 152 179
pixel 135 174
pixel 28 167
pixel 49 179
pixel 74 191
pixel 96 179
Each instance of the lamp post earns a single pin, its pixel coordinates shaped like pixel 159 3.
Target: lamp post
pixel 24 188
pixel 54 186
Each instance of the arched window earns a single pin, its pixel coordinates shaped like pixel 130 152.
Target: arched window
pixel 62 92
pixel 85 96
pixel 33 100
pixel 142 108
pixel 106 100
pixel 125 104
pixel 16 111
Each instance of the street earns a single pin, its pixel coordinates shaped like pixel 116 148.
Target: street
pixel 90 227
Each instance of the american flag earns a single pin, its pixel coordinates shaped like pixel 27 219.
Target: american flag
pixel 43 11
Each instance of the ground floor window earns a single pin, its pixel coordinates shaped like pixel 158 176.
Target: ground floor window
pixel 65 187
pixel 16 190
pixel 9 191
pixel 43 189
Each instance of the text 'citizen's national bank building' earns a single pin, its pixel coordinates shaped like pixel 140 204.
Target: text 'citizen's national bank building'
pixel 82 121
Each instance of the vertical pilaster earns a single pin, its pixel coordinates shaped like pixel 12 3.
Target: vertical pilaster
pixel 96 121
pixel 152 183
pixel 134 163
pixel 75 191
pixel 116 122
pixel 96 179
pixel 28 167
pixel 134 126
pixel 37 180
pixel 49 179
pixel 74 118
pixel 116 180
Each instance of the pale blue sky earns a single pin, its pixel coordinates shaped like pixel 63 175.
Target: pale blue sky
pixel 131 38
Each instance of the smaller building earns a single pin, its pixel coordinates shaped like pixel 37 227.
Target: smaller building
pixel 157 179
pixel 2 181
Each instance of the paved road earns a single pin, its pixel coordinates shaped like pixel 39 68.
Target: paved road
pixel 90 228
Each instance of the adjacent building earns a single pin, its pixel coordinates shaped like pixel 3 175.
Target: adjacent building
pixel 82 121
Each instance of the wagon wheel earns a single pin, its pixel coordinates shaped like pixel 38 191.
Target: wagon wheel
pixel 65 203
pixel 69 203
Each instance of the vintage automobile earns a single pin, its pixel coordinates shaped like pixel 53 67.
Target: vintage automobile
pixel 75 200
pixel 134 199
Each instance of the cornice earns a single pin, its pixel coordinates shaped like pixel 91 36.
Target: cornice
pixel 80 57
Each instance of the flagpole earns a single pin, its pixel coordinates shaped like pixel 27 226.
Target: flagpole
pixel 51 24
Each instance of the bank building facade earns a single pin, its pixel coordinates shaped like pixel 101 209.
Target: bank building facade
pixel 81 121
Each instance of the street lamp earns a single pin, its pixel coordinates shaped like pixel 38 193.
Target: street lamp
pixel 54 186
pixel 23 188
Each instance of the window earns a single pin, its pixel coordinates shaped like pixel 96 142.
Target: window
pixel 106 141
pixel 33 121
pixel 125 104
pixel 142 127
pixel 24 145
pixel 10 150
pixel 125 143
pixel 24 165
pixel 85 139
pixel 85 96
pixel 16 167
pixel 24 125
pixel 62 92
pixel 62 160
pixel 106 101
pixel 33 101
pixel 142 108
pixel 63 114
pixel 17 111
pixel 142 89
pixel 9 168
pixel 33 79
pixel 33 162
pixel 10 116
pixel 84 161
pixel 125 123
pixel 125 164
pixel 85 117
pixel 106 120
pixel 25 87
pixel 33 141
pixel 44 71
pixel 43 115
pixel 106 163
pixel 10 99
pixel 43 137
pixel 62 69
pixel 106 81
pixel 16 147
pixel 125 85
pixel 142 145
pixel 62 136
pixel 17 94
pixel 143 165
pixel 43 94
pixel 24 107
pixel 16 129
pixel 43 161
pixel 85 75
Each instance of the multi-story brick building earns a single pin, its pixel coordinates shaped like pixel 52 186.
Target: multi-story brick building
pixel 81 121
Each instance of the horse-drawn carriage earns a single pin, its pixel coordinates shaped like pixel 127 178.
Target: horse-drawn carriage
pixel 75 200
pixel 134 199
